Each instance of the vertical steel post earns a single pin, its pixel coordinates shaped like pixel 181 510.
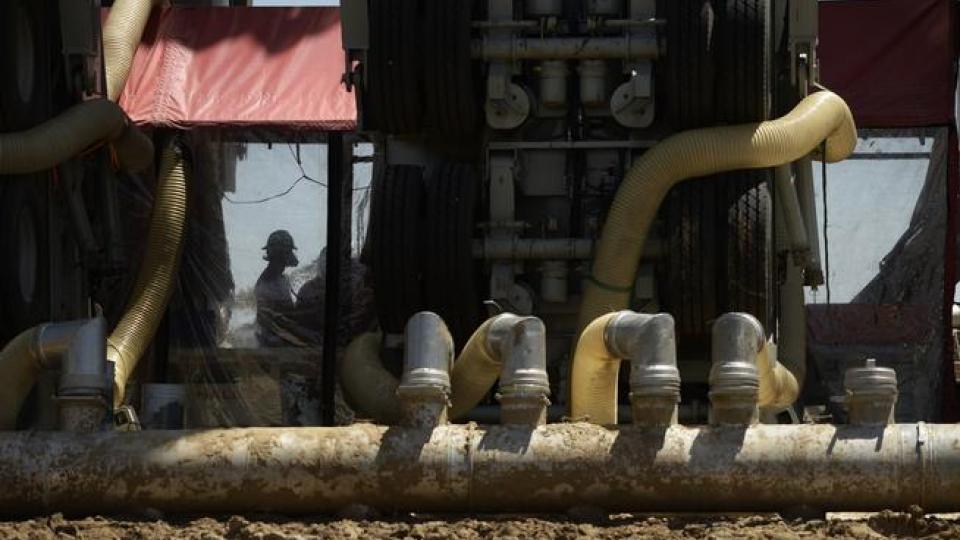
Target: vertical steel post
pixel 331 304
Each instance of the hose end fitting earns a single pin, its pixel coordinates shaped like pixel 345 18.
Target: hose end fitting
pixel 424 390
pixel 524 385
pixel 737 338
pixel 871 394
pixel 648 341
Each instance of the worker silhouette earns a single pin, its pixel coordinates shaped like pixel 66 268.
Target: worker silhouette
pixel 274 294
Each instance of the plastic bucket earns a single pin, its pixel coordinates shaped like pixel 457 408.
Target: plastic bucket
pixel 163 406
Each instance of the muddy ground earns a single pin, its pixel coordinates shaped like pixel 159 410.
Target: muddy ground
pixel 574 525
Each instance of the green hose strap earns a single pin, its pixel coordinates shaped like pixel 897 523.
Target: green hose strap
pixel 608 287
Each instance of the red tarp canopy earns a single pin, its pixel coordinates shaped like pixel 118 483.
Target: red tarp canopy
pixel 241 67
pixel 891 60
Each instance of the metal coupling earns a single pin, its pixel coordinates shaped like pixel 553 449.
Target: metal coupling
pixel 649 343
pixel 871 394
pixel 524 386
pixel 79 349
pixel 424 390
pixel 737 338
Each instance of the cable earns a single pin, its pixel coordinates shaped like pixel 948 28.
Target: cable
pixel 826 241
pixel 278 195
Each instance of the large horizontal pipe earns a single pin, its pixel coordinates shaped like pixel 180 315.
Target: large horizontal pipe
pixel 470 468
pixel 565 48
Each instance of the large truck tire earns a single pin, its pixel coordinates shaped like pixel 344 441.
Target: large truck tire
pixel 686 81
pixel 450 274
pixel 395 228
pixel 24 269
pixel 392 98
pixel 713 227
pixel 450 87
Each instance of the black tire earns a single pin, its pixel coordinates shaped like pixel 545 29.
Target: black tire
pixel 450 275
pixel 25 62
pixel 686 85
pixel 24 272
pixel 714 261
pixel 743 59
pixel 392 101
pixel 395 215
pixel 749 241
pixel 449 73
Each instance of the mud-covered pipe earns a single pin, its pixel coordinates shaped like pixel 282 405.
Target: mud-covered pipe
pixel 648 342
pixel 469 468
pixel 79 128
pixel 122 32
pixel 508 347
pixel 367 386
pixel 76 348
pixel 157 275
pixel 822 116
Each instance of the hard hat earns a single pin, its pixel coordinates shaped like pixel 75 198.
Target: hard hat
pixel 280 239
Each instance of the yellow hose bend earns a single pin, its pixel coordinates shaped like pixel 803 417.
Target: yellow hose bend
pixel 157 275
pixel 593 381
pixel 822 116
pixel 474 373
pixel 122 32
pixel 20 365
pixel 79 128
pixel 778 386
pixel 367 386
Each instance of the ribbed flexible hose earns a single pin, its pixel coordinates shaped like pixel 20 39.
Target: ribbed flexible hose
pixel 121 35
pixel 80 127
pixel 778 386
pixel 474 373
pixel 20 365
pixel 157 275
pixel 367 386
pixel 371 389
pixel 593 389
pixel 820 116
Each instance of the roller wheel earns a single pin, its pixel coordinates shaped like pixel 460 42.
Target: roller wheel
pixel 24 270
pixel 392 101
pixel 395 216
pixel 449 73
pixel 25 61
pixel 450 273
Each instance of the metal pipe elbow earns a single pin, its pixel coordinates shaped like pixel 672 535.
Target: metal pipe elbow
pixel 648 342
pixel 513 349
pixel 746 375
pixel 424 390
pixel 78 349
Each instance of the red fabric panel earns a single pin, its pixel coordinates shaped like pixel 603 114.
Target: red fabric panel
pixel 892 60
pixel 238 67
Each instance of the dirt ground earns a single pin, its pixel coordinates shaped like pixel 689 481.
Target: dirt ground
pixel 574 525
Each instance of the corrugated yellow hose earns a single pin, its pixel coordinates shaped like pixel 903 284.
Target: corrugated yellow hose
pixel 367 386
pixel 474 373
pixel 595 372
pixel 157 275
pixel 122 32
pixel 820 117
pixel 78 128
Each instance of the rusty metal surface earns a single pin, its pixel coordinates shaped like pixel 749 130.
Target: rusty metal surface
pixel 466 467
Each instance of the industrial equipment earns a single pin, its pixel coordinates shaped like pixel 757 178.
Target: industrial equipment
pixel 505 128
